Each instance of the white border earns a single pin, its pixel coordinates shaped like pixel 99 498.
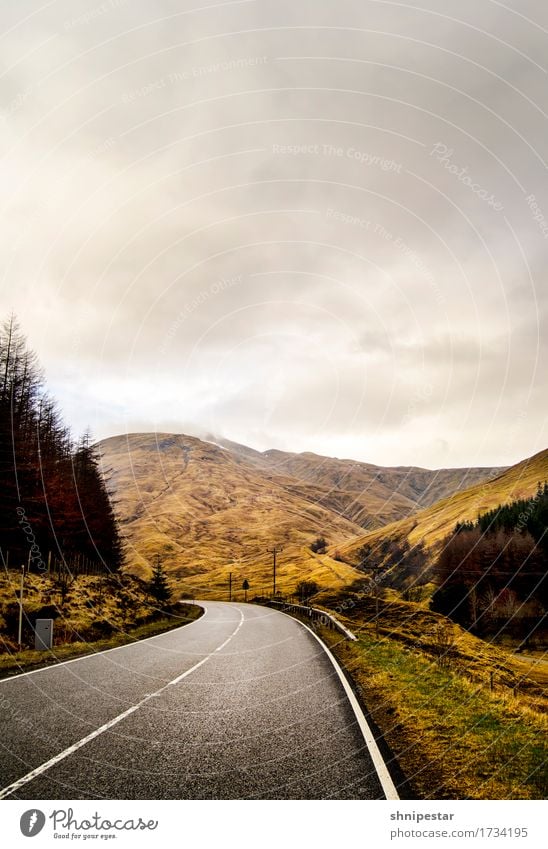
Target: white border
pixel 385 778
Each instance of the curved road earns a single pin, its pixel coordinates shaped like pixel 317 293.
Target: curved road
pixel 243 703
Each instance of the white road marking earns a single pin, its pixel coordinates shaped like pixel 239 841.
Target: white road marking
pixel 384 776
pixel 99 653
pixel 30 776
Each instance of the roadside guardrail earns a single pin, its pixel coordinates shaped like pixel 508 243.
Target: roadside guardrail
pixel 314 614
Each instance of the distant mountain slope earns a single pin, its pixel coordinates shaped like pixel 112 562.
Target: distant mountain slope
pixel 212 507
pixel 197 506
pixel 363 492
pixel 431 525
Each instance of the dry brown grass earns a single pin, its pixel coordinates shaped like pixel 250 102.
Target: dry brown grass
pixel 209 511
pixel 452 736
pixel 11 663
pixel 429 527
pixel 293 565
pixel 97 612
pixel 208 514
pixel 415 628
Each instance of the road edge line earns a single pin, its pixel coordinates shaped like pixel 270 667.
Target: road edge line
pixel 387 784
pixel 74 747
pixel 103 651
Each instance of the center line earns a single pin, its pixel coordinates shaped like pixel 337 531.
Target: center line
pixel 11 788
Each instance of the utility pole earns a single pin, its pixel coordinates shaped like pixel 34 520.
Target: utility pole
pixel 230 586
pixel 376 590
pixel 20 631
pixel 274 551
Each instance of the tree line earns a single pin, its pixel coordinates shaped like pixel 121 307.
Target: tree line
pixel 491 573
pixel 55 511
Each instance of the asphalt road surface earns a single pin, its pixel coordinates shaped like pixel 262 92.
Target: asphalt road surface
pixel 243 703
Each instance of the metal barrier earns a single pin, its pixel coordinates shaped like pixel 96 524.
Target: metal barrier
pixel 314 614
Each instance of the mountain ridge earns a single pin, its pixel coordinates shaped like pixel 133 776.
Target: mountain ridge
pixel 429 527
pixel 211 507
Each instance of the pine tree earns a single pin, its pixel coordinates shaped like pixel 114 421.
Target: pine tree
pixel 499 557
pixel 158 586
pixel 97 531
pixel 53 496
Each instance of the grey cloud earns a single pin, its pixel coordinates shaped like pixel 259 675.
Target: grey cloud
pixel 152 152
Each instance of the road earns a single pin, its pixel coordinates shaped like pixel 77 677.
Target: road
pixel 243 703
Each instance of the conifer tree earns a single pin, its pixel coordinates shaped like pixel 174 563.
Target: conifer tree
pixel 53 496
pixel 158 586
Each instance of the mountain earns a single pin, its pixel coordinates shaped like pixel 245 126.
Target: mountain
pixel 214 507
pixel 207 513
pixel 371 496
pixel 430 526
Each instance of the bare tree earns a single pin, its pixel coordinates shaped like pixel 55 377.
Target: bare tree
pixel 443 642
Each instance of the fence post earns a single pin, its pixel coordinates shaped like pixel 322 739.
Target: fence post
pixel 20 627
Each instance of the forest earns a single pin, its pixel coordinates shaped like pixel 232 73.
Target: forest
pixel 55 511
pixel 491 573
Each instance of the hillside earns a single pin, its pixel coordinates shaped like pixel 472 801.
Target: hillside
pixel 414 486
pixel 370 495
pixel 90 612
pixel 431 525
pixel 211 508
pixel 208 514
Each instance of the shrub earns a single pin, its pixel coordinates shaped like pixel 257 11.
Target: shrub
pixel 306 589
pixel 319 545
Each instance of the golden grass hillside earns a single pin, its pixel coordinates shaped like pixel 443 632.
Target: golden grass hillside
pixel 91 613
pixel 417 629
pixel 294 564
pixel 367 494
pixel 452 737
pixel 213 508
pixel 464 718
pixel 430 526
pixel 207 514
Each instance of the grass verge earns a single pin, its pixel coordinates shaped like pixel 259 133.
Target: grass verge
pixel 12 663
pixel 452 738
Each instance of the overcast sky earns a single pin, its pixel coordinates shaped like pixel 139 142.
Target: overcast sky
pixel 303 225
